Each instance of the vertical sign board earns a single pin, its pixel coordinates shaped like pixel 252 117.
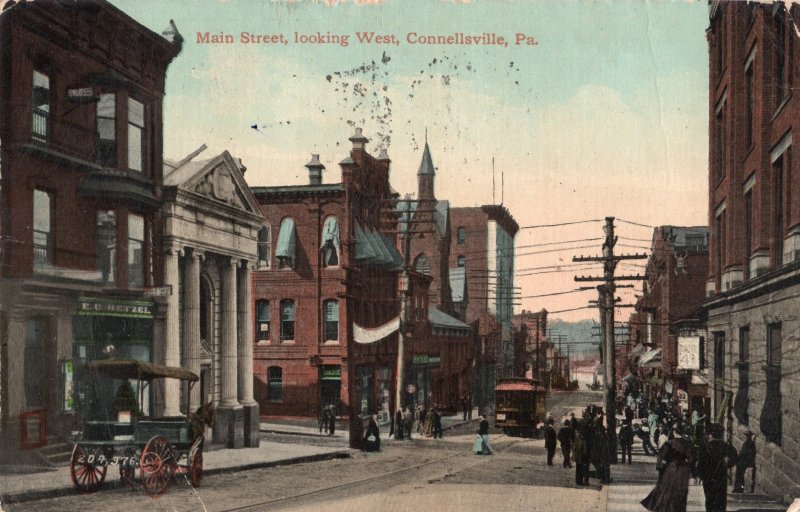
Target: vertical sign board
pixel 68 383
pixel 689 352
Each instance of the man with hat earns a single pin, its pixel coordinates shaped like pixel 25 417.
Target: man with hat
pixel 747 459
pixel 718 456
pixel 550 440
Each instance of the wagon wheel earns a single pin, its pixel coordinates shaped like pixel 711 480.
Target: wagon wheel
pixel 127 471
pixel 157 465
pixel 196 462
pixel 86 476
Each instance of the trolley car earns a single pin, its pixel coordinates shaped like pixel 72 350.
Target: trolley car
pixel 519 406
pixel 159 448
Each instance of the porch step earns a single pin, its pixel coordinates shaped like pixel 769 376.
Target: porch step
pixel 57 451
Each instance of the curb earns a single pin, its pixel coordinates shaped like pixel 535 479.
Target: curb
pixel 295 433
pixel 43 494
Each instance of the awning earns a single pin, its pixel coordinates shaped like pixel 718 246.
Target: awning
pixel 444 324
pixel 286 240
pixel 458 284
pixel 330 231
pixel 650 359
pixel 627 378
pixel 366 335
pixel 638 350
pixel 373 248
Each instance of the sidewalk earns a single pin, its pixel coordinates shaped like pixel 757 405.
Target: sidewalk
pixel 632 482
pixel 28 485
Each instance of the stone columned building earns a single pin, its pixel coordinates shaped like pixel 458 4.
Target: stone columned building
pixel 211 224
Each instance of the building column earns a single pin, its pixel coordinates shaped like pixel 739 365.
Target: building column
pixel 229 427
pixel 172 342
pixel 245 358
pixel 191 321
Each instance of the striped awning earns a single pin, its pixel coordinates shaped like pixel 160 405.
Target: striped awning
pixel 286 240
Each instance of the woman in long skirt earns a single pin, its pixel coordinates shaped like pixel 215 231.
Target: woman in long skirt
pixel 675 462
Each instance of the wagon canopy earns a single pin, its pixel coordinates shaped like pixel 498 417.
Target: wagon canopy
pixel 132 369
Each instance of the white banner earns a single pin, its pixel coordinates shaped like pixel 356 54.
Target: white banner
pixel 365 335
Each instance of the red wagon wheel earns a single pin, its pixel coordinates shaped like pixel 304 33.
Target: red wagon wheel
pixel 196 462
pixel 87 472
pixel 157 465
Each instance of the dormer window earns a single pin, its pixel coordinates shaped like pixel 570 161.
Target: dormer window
pixel 41 107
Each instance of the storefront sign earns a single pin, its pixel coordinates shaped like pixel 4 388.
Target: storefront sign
pixel 689 352
pixel 434 360
pixel 158 291
pixel 421 359
pixel 332 372
pixel 132 308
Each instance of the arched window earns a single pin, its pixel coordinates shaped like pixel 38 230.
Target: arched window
pixel 287 319
pixel 274 384
pixel 264 246
pixel 262 320
pixel 461 235
pixel 330 313
pixel 329 245
pixel 422 265
pixel 462 261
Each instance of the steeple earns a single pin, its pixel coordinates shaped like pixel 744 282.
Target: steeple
pixel 426 174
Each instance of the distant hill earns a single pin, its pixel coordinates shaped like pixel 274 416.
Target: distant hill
pixel 577 335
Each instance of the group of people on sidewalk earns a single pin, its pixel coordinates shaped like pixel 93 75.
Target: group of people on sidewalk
pixel 583 442
pixel 421 421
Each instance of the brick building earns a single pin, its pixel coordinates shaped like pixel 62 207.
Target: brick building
pixel 80 203
pixel 482 242
pixel 754 213
pixel 529 353
pixel 669 308
pixel 327 261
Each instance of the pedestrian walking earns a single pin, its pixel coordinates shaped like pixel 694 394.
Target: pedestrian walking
pixel 464 406
pixel 408 422
pixel 398 425
pixel 438 431
pixel 565 439
pixel 717 457
pixel 644 436
pixel 331 420
pixel 652 423
pixel 481 446
pixel 626 441
pixel 675 463
pixel 550 439
pixel 323 419
pixel 746 459
pixel 581 455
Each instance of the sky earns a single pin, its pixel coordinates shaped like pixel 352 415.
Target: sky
pixel 605 115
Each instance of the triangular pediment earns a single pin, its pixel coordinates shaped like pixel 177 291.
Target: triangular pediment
pixel 219 179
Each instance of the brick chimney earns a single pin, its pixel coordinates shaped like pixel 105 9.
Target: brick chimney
pixel 315 170
pixel 358 140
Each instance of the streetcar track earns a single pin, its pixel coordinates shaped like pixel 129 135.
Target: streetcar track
pixel 363 480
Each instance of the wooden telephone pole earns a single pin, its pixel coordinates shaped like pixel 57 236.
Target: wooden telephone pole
pixel 606 304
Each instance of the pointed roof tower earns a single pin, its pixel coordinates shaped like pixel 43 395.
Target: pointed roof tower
pixel 426 165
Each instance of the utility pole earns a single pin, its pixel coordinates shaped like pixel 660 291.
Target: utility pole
pixel 607 306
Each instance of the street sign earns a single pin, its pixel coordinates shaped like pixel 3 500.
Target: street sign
pixel 689 352
pixel 158 291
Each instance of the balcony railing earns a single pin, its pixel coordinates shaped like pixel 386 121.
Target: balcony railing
pixel 63 136
pixel 41 121
pixel 42 252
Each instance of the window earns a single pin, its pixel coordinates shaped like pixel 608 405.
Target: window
pixel 462 261
pixel 287 319
pixel 330 311
pixel 107 130
pixel 461 237
pixel 330 243
pixel 106 244
pixel 774 344
pixel 262 320
pixel 720 128
pixel 285 250
pixel 751 105
pixel 720 232
pixel 41 106
pixel 264 246
pixel 422 265
pixel 135 251
pixel 274 384
pixel 780 56
pixel 42 227
pixel 748 231
pixel 744 344
pixel 777 230
pixel 135 135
